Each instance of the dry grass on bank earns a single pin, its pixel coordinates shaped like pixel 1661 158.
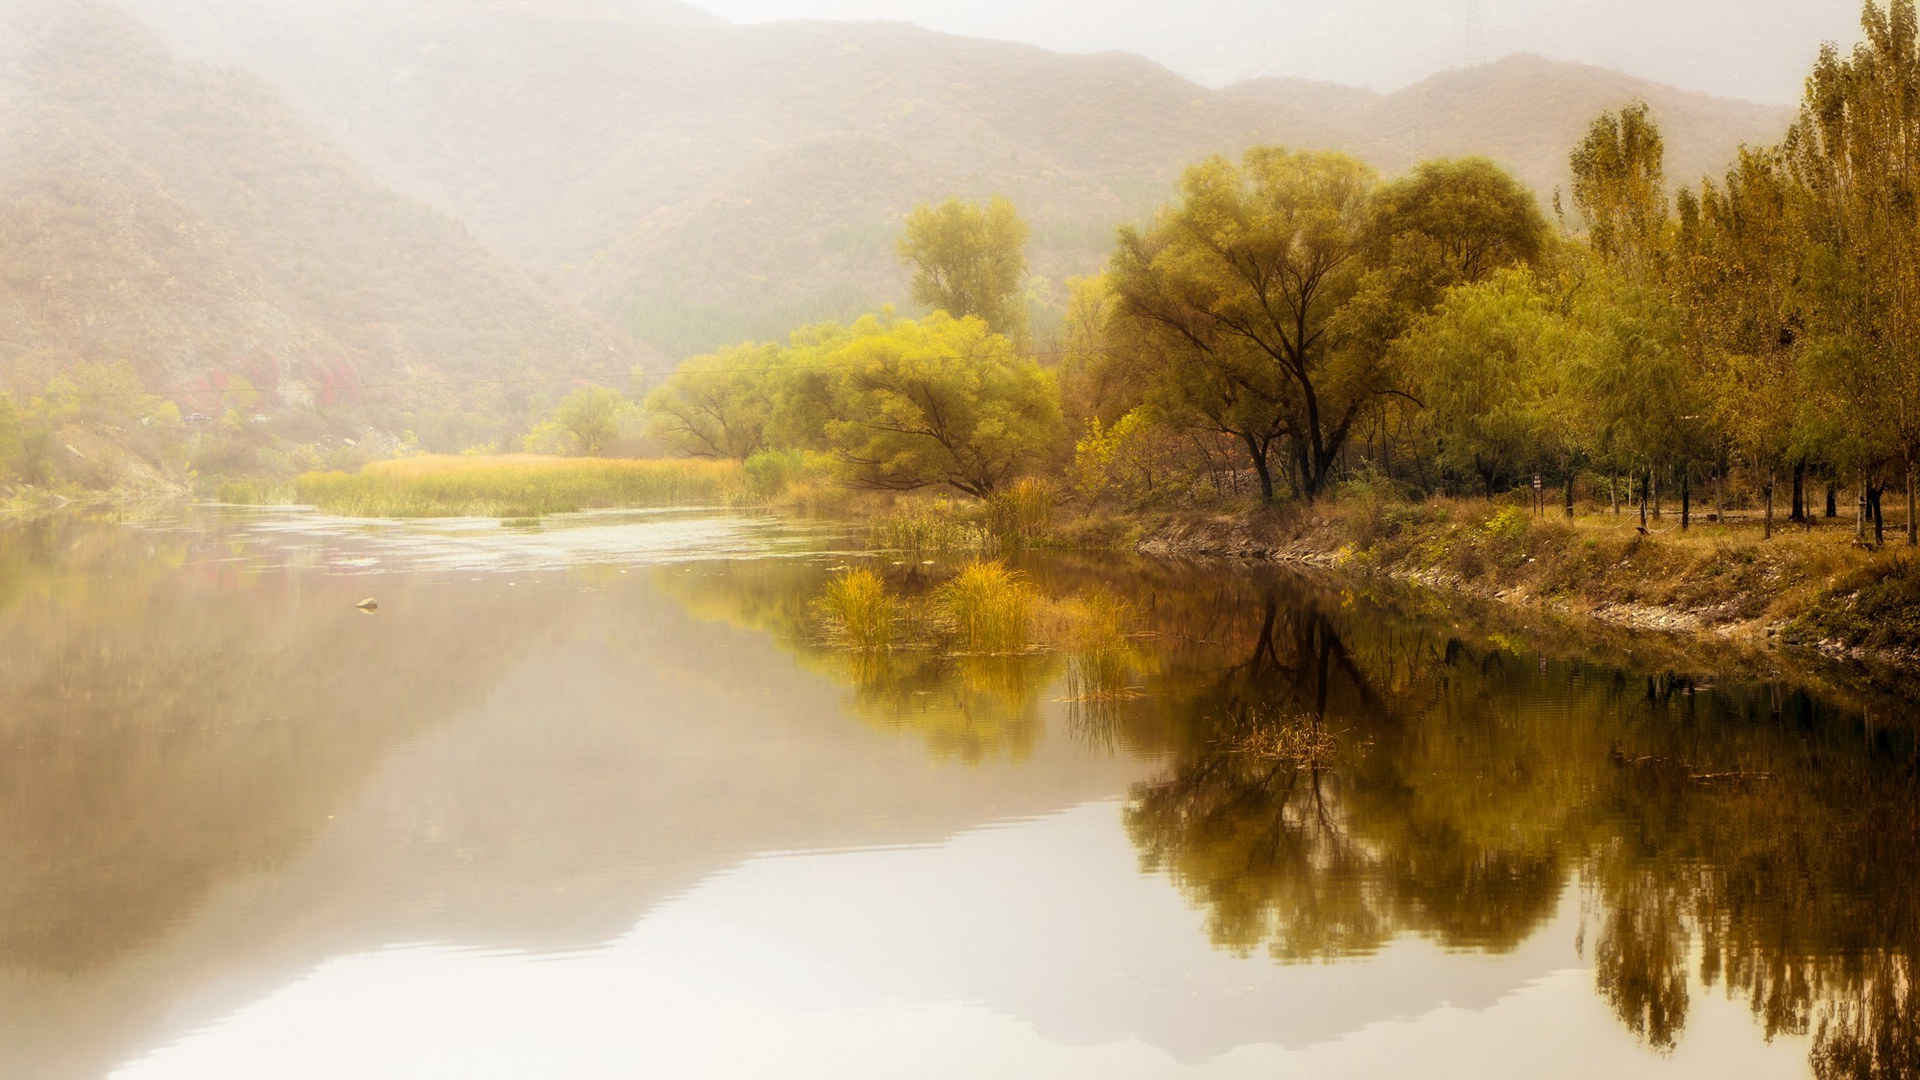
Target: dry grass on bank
pixel 1722 575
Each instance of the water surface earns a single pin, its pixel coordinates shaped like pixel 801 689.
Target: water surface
pixel 598 799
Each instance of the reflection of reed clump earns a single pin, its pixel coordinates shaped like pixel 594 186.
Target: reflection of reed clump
pixel 1104 660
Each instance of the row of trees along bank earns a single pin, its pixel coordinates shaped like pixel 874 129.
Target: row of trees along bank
pixel 1292 317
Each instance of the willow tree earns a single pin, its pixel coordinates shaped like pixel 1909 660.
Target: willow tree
pixel 718 405
pixel 1856 151
pixel 1448 224
pixel 1486 363
pixel 910 404
pixel 969 260
pixel 1235 287
pixel 587 421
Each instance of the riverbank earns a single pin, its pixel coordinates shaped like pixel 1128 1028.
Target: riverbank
pixel 1809 585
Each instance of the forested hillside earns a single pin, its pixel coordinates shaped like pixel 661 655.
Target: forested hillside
pixel 187 223
pixel 701 182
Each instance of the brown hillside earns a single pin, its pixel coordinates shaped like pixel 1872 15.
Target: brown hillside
pixel 185 220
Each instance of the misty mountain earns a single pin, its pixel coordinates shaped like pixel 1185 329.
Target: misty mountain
pixel 698 181
pixel 188 221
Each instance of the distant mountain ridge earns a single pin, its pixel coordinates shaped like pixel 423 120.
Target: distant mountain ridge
pixel 697 181
pixel 1526 112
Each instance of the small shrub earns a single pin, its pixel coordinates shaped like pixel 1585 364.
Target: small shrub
pixel 770 473
pixel 1509 525
pixel 988 607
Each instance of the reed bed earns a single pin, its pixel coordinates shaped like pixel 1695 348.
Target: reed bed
pixel 518 486
pixel 928 529
pixel 254 491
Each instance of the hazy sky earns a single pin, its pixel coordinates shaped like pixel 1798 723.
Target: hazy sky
pixel 1755 49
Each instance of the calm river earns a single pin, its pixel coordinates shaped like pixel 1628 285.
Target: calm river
pixel 595 799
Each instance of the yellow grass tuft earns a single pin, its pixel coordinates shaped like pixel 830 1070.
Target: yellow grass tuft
pixel 989 608
pixel 857 609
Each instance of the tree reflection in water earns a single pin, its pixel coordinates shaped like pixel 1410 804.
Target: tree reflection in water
pixel 1341 773
pixel 1751 832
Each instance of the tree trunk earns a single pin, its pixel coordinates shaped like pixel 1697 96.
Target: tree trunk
pixel 1257 453
pixel 1799 491
pixel 1653 485
pixel 1766 529
pixel 1879 519
pixel 1860 519
pixel 1569 496
pixel 1686 498
pixel 1913 526
pixel 1646 478
pixel 1833 499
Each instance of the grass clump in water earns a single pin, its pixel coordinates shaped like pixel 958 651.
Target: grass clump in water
pixel 1102 658
pixel 989 607
pixel 517 486
pixel 858 610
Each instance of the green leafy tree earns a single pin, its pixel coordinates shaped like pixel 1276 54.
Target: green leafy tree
pixel 587 421
pixel 718 405
pixel 1619 188
pixel 1485 361
pixel 1232 291
pixel 1637 393
pixel 1266 303
pixel 1852 150
pixel 1739 256
pixel 970 260
pixel 1455 222
pixel 938 401
pixel 1645 376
